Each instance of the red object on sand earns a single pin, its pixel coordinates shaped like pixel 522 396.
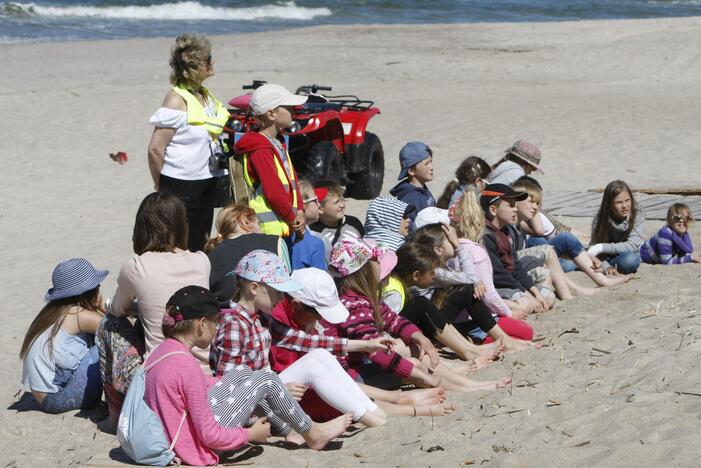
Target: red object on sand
pixel 120 157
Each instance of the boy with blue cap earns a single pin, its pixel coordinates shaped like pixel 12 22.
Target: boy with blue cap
pixel 416 161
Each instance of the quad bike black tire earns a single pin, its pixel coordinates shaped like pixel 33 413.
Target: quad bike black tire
pixel 367 183
pixel 323 161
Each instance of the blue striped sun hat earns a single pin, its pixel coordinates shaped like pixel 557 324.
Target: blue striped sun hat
pixel 73 277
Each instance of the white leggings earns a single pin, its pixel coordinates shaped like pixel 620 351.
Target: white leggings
pixel 330 381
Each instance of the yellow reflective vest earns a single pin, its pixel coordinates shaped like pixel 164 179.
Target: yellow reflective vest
pixel 197 115
pixel 394 285
pixel 269 221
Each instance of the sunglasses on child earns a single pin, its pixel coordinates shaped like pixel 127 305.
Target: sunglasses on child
pixel 681 219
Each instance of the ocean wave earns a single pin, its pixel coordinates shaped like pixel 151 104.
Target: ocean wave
pixel 185 11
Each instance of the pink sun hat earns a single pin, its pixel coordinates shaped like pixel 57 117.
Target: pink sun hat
pixel 351 254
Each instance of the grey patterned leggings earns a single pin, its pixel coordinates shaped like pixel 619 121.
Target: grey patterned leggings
pixel 242 392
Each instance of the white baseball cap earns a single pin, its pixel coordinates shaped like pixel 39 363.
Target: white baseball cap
pixel 319 292
pixel 270 96
pixel 431 215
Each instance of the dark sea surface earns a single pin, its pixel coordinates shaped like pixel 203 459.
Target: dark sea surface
pixel 69 20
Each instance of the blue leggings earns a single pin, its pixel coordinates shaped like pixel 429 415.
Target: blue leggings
pixel 566 246
pixel 83 389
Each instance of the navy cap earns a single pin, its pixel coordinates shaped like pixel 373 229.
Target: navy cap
pixel 494 192
pixel 192 302
pixel 410 155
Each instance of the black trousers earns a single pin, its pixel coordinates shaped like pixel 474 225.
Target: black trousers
pixel 431 320
pixel 198 196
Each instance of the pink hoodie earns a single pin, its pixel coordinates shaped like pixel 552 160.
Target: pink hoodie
pixel 177 384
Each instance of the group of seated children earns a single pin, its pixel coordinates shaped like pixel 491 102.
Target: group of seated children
pixel 344 322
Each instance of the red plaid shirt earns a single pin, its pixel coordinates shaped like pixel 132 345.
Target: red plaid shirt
pixel 242 339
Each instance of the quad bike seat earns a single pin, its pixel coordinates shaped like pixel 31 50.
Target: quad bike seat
pixel 314 107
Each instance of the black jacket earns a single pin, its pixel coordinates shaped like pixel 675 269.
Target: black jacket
pixel 503 278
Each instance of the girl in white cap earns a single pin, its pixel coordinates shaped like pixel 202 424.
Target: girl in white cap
pixel 317 302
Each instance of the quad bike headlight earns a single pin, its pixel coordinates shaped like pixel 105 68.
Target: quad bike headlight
pixel 295 127
pixel 236 126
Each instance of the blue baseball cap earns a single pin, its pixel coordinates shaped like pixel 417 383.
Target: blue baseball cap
pixel 410 155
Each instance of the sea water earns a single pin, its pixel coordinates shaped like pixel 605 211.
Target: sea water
pixel 65 20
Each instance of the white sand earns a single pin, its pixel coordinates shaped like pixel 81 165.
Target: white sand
pixel 603 100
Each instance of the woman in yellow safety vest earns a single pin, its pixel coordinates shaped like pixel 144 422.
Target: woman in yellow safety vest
pixel 184 145
pixel 268 169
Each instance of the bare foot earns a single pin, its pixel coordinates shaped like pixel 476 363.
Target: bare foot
pixel 294 438
pixel 435 410
pixel 464 367
pixel 488 384
pixel 422 397
pixel 322 433
pixel 514 344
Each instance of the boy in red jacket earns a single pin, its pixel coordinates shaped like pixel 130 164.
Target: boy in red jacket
pixel 276 197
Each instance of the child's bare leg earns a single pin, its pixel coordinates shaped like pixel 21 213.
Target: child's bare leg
pixel 436 409
pixel 558 276
pixel 453 381
pixel 420 397
pixel 464 348
pixel 584 263
pixel 509 343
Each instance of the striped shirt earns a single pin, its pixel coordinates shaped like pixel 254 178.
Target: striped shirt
pixel 667 247
pixel 382 221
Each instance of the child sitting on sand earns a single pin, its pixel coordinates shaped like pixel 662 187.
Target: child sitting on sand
pixel 520 160
pixel 672 245
pixel 360 267
pixel 333 222
pixel 309 250
pixel 540 231
pixel 453 287
pixel 471 173
pixel 416 162
pixel 60 362
pixel 617 230
pixel 416 267
pixel 242 339
pixel 318 300
pixel 511 279
pixel 203 415
pixel 387 221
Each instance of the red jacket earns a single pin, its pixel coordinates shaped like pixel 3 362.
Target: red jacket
pixel 262 169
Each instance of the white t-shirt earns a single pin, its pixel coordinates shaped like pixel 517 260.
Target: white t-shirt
pixel 548 227
pixel 187 154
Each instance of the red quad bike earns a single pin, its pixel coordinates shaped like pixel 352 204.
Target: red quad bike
pixel 327 140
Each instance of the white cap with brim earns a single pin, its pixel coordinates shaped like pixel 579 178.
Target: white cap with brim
pixel 271 96
pixel 431 215
pixel 319 292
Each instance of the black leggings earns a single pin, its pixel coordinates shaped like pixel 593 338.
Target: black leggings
pixel 198 196
pixel 431 320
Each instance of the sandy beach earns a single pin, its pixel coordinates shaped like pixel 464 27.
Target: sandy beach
pixel 618 382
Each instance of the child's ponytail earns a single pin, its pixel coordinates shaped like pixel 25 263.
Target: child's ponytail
pixel 468 217
pixel 469 171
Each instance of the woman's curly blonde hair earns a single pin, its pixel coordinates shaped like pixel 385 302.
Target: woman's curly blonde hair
pixel 188 54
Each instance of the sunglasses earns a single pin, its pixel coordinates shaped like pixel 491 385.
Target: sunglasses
pixel 680 219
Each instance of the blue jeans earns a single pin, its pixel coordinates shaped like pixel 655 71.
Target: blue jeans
pixel 627 262
pixel 82 390
pixel 566 246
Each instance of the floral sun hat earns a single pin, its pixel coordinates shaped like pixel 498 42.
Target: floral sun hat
pixel 265 267
pixel 350 254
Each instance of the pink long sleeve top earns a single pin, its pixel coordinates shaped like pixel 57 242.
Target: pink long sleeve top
pixel 360 325
pixel 483 269
pixel 177 384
